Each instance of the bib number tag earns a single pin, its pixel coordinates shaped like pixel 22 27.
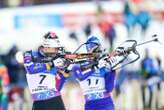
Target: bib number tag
pixel 41 82
pixel 93 85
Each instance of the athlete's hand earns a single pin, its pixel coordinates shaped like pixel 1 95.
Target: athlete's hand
pixel 113 61
pixel 122 50
pixel 103 63
pixel 69 68
pixel 59 62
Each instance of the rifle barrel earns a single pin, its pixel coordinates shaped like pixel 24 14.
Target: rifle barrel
pixel 154 40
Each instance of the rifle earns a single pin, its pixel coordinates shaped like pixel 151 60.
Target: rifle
pixel 120 51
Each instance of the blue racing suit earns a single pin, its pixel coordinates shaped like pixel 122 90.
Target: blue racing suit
pixel 96 86
pixel 44 81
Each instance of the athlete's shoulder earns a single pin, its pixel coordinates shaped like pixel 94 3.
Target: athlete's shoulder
pixel 27 53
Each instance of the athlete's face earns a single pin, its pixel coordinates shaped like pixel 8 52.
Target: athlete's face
pixel 50 51
pixel 95 49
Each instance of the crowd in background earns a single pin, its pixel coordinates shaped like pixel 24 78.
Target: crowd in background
pixel 17 3
pixel 14 89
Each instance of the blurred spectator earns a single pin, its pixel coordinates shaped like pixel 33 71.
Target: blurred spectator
pixel 73 35
pixel 120 78
pixel 108 31
pixel 1 3
pixel 15 69
pixel 15 98
pixel 88 30
pixel 148 72
pixel 130 19
pixel 137 1
pixel 99 12
pixel 158 62
pixel 12 65
pixel 147 67
pixel 27 2
pixel 103 24
pixel 16 3
pixel 1 93
pixel 144 19
pixel 111 36
pixel 106 27
pixel 4 74
pixel 38 2
pixel 4 82
pixel 17 78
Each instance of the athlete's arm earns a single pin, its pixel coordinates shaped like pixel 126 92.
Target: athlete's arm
pixel 80 73
pixel 110 81
pixel 34 67
pixel 105 66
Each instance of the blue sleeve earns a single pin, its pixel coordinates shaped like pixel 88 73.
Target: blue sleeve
pixel 33 67
pixel 110 80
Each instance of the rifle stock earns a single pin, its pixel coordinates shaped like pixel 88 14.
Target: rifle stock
pixel 75 56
